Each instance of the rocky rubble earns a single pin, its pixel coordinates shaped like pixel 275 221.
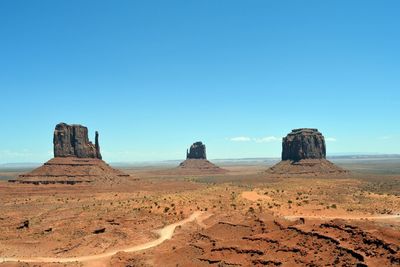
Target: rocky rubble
pixel 268 241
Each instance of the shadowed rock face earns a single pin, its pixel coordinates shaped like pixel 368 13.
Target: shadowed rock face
pixel 197 151
pixel 303 144
pixel 73 141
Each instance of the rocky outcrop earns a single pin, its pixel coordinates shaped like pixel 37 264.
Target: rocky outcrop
pixel 76 161
pixel 304 154
pixel 303 143
pixel 97 145
pixel 73 141
pixel 197 151
pixel 196 162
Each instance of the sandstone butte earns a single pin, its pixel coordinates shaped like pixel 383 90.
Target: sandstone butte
pixel 196 161
pixel 76 160
pixel 304 153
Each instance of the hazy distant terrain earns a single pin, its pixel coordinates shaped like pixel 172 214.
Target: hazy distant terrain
pixel 371 164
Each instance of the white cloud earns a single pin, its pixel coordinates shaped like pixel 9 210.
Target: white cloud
pixel 387 137
pixel 330 139
pixel 240 139
pixel 267 139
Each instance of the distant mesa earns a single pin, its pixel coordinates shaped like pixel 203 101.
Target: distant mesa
pixel 304 153
pixel 76 160
pixel 196 161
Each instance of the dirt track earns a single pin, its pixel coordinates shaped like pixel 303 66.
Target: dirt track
pixel 165 234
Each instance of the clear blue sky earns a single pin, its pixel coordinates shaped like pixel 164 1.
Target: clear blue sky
pixel 154 76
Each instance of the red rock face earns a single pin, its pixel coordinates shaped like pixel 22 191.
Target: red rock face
pixel 303 144
pixel 197 151
pixel 76 160
pixel 269 241
pixel 304 153
pixel 73 141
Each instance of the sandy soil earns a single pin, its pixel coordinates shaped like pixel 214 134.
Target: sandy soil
pixel 164 233
pixel 254 220
pixel 336 214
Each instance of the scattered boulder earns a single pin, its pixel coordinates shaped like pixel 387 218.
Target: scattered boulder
pixel 301 220
pixel 23 225
pixel 99 231
pixel 73 141
pixel 196 151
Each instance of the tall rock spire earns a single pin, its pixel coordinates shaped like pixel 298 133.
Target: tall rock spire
pixel 97 145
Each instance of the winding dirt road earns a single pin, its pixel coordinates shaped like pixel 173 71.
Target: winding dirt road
pixel 165 234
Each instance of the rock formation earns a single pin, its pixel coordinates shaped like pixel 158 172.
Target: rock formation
pixel 196 161
pixel 197 151
pixel 73 141
pixel 304 153
pixel 303 144
pixel 97 145
pixel 76 160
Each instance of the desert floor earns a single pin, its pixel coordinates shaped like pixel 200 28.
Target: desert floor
pixel 242 218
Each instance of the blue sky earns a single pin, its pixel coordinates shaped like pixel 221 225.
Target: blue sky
pixel 154 76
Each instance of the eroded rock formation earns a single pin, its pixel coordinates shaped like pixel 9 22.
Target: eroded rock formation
pixel 76 160
pixel 196 161
pixel 73 141
pixel 304 153
pixel 303 143
pixel 197 151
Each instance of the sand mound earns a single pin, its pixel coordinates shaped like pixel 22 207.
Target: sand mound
pixel 306 167
pixel 199 166
pixel 72 170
